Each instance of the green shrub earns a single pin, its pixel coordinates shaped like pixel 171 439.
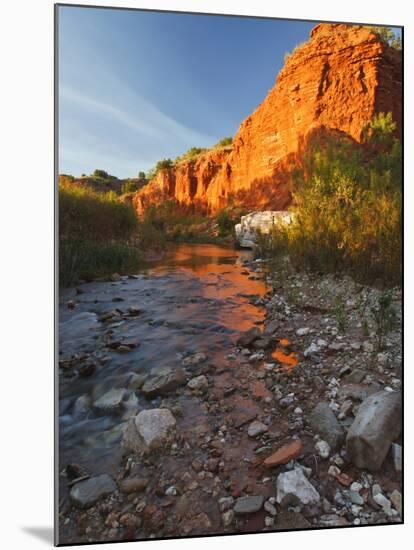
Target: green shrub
pixel 386 34
pixel 224 142
pixel 141 175
pixel 384 314
pixel 85 213
pixel 86 259
pixel 347 208
pixel 100 174
pixel 225 222
pixel 130 186
pixel 94 231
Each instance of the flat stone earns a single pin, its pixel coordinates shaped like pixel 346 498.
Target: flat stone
pixel 292 521
pixel 355 498
pixel 293 487
pixel 355 377
pixel 376 426
pixel 133 485
pixel 85 493
pixel 111 401
pixel 303 331
pixel 248 505
pixel 256 428
pixel 332 520
pixel 324 423
pixel 163 382
pixel 285 454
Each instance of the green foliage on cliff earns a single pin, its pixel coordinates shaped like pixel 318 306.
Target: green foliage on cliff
pixel 386 34
pixel 224 142
pixel 347 208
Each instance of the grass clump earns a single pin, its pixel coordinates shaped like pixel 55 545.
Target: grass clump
pixel 385 318
pixel 95 234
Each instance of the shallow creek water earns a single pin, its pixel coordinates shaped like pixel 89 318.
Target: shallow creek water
pixel 196 299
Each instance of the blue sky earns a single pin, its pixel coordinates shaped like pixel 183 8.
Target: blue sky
pixel 135 87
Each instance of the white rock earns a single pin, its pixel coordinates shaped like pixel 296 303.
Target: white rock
pixel 269 521
pixel 256 428
pixel 228 518
pixel 333 471
pixel 303 331
pixel 313 348
pixel 293 486
pixel 382 501
pixel 355 486
pixel 263 221
pixel 323 449
pixel 268 506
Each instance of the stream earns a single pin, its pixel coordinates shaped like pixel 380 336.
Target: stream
pixel 197 299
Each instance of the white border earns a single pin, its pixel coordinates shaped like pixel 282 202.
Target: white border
pixel 26 202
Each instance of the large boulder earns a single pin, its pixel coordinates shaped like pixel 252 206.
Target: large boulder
pixel 376 426
pixel 259 222
pixel 149 431
pixel 324 422
pixel 163 382
pixel 85 493
pixel 294 488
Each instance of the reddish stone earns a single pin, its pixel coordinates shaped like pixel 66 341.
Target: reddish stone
pixel 344 479
pixel 284 454
pixel 334 83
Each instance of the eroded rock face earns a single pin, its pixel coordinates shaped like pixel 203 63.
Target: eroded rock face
pixel 331 85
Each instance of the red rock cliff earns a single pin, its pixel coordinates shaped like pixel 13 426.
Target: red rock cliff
pixel 333 83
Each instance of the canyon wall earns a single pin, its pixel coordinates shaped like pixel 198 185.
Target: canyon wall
pixel 332 84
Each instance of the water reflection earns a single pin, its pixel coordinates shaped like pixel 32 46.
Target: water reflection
pixel 195 299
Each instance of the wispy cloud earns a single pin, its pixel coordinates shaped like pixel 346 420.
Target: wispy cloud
pixel 142 116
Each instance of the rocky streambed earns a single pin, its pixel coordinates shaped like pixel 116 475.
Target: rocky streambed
pixel 209 394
